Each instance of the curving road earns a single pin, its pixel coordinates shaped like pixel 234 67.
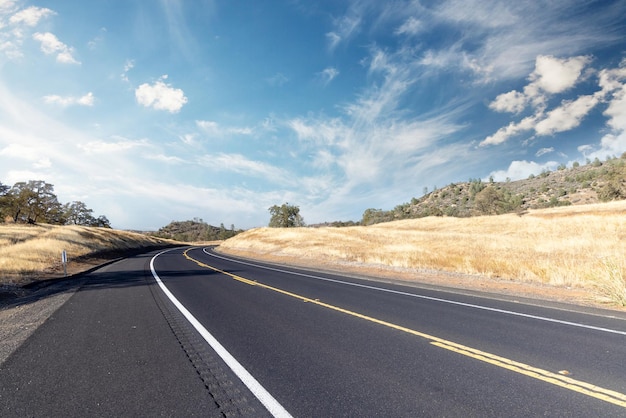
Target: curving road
pixel 188 332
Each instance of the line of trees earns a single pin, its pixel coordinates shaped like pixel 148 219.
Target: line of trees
pixel 34 201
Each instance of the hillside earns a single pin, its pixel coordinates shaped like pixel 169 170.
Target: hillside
pixel 195 230
pixel 591 183
pixel 33 252
pixel 572 252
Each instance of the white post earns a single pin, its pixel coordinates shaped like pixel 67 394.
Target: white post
pixel 64 260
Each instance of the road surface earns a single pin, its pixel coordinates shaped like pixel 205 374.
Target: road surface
pixel 188 332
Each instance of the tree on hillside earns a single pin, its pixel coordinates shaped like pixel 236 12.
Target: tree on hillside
pixel 33 201
pixel 4 189
pixel 285 216
pixel 77 213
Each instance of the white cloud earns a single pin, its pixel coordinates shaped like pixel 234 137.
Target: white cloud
pixel 410 27
pixel 519 170
pixel 129 65
pixel 214 129
pixel 117 145
pixel 165 159
pixel 278 80
pixel 327 75
pixel 86 100
pixel 551 76
pixel 554 75
pixel 503 134
pixel 242 165
pixel 345 28
pixel 160 96
pixel 6 6
pixel 30 16
pixel 50 45
pixel 610 145
pixel 513 102
pixel 566 117
pixel 544 151
pixel 477 12
pixel 333 40
pixel 617 110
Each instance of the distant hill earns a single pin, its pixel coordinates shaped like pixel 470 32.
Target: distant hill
pixel 195 230
pixel 597 181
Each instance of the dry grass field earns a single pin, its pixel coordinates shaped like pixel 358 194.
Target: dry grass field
pixel 29 252
pixel 577 247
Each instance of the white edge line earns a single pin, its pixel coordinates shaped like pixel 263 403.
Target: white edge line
pixel 272 405
pixel 452 302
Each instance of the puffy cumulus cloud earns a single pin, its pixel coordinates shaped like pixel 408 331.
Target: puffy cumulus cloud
pixel 6 6
pixel 554 75
pixel 568 116
pixel 551 76
pixel 160 96
pixel 51 45
pixel 616 110
pixel 503 134
pixel 513 102
pixel 86 100
pixel 519 170
pixel 30 16
pixel 613 144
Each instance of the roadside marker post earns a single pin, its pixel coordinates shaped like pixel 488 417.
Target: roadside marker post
pixel 64 261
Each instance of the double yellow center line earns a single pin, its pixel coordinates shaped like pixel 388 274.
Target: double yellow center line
pixel 588 389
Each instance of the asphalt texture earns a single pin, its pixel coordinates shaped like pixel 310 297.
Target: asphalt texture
pixel 117 348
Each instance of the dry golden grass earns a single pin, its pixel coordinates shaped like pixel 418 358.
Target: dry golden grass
pixel 27 250
pixel 576 246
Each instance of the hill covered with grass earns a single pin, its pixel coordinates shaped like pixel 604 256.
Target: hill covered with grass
pixel 573 247
pixel 32 252
pixel 597 181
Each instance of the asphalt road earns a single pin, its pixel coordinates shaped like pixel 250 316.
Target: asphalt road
pixel 306 344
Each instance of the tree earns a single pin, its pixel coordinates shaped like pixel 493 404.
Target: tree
pixel 285 216
pixel 4 190
pixel 102 222
pixel 77 213
pixel 33 201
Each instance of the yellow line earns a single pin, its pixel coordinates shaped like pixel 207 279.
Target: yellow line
pixel 588 389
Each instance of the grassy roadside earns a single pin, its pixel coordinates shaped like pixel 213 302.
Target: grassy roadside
pixel 30 253
pixel 579 247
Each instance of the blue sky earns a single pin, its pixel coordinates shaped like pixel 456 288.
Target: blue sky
pixel 153 111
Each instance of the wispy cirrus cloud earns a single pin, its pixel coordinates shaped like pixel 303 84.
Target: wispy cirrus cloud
pixel 240 164
pixel 327 75
pixel 214 129
pixel 65 101
pixel 344 29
